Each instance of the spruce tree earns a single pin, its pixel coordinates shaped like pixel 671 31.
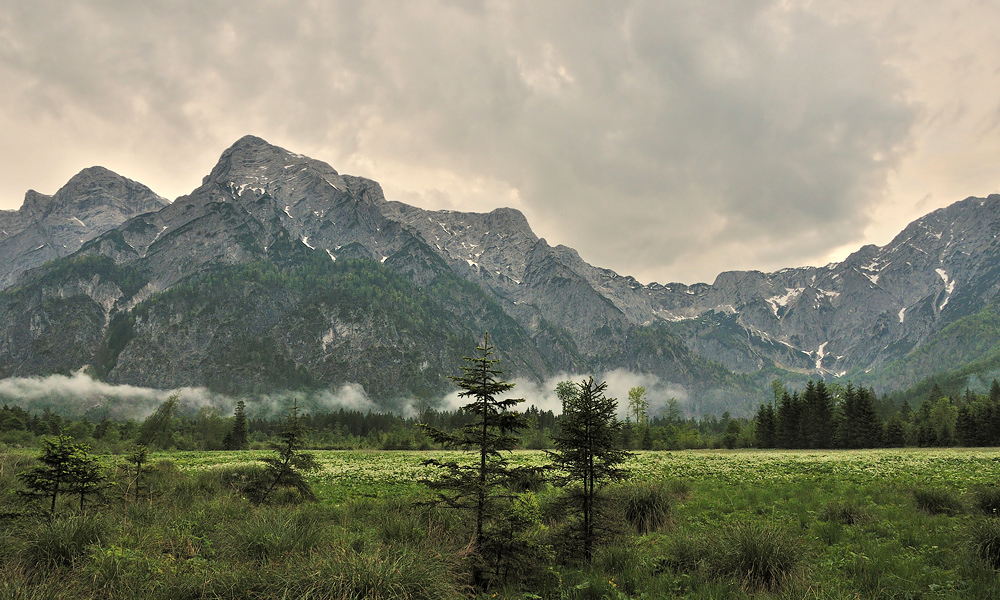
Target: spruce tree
pixel 588 451
pixel 491 434
pixel 67 468
pixel 764 432
pixel 236 439
pixel 285 469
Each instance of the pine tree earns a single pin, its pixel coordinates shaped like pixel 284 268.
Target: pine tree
pixel 236 439
pixel 788 430
pixel 492 434
pixel 138 457
pixel 85 473
pixel 817 420
pixel 66 468
pixel 285 470
pixel 764 432
pixel 588 451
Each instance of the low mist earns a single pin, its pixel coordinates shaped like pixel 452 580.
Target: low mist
pixel 78 395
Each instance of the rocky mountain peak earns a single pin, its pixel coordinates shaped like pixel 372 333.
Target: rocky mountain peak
pixel 253 163
pixel 92 202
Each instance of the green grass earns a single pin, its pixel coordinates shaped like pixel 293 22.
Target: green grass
pixel 694 524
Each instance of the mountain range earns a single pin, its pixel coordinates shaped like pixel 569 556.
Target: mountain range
pixel 278 272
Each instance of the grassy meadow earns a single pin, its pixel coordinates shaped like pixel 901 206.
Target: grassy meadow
pixel 906 523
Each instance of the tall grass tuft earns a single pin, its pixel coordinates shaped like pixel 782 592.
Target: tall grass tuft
pixel 60 542
pixel 646 505
pixel 984 537
pixel 937 501
pixel 756 554
pixel 987 500
pixel 684 554
pixel 845 513
pixel 270 534
pixel 383 573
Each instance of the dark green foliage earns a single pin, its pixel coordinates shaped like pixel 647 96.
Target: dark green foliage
pixel 85 474
pixel 588 452
pixel 788 430
pixel 491 434
pixel 816 422
pixel 236 439
pixel 731 434
pixel 937 501
pixel 766 424
pixel 512 547
pixel 859 425
pixel 158 428
pixel 66 468
pixel 758 555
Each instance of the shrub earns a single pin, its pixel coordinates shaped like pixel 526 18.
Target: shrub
pixel 645 505
pixel 625 567
pixel 59 542
pixel 758 555
pixel 937 501
pixel 845 513
pixel 684 554
pixel 987 500
pixel 984 536
pixel 527 479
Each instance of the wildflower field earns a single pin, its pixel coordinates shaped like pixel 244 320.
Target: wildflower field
pixel 386 473
pixel 903 523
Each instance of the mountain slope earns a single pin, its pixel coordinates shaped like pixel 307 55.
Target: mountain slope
pixel 221 288
pixel 46 227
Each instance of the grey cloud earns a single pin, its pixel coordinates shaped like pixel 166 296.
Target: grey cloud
pixel 669 140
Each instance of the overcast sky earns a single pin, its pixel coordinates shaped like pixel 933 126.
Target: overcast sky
pixel 669 140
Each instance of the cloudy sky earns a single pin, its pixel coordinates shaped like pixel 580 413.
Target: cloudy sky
pixel 668 139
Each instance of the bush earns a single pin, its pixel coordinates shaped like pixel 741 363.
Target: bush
pixel 758 555
pixel 937 501
pixel 58 543
pixel 684 554
pixel 645 505
pixel 987 500
pixel 527 480
pixel 845 513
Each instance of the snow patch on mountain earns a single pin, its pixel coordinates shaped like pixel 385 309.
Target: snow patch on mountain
pixel 782 301
pixel 949 287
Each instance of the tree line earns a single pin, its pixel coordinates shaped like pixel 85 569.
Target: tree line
pixel 833 416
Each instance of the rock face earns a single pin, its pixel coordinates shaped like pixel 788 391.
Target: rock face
pixel 220 288
pixel 47 227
